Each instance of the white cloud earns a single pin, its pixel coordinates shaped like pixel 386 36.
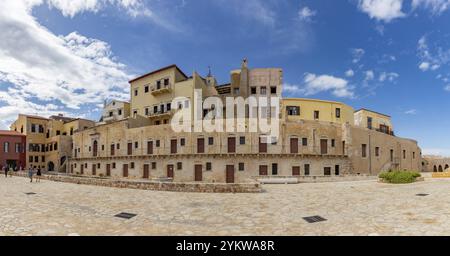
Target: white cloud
pixel 447 88
pixel 257 10
pixel 389 76
pixel 44 68
pixel 424 66
pixel 306 13
pixel 349 73
pixel 370 75
pixel 313 84
pixel 382 10
pixel 357 54
pixel 436 152
pixel 436 6
pixel 411 112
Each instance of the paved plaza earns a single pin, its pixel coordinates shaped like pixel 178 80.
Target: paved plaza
pixel 350 208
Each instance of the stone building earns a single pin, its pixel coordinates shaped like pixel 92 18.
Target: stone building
pixel 115 110
pixel 49 140
pixel 435 164
pixel 316 137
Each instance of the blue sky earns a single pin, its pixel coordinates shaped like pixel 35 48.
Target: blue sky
pixel 392 56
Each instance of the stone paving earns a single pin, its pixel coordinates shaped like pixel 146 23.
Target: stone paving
pixel 351 208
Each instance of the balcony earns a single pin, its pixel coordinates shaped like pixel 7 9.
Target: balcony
pixel 159 114
pixel 161 89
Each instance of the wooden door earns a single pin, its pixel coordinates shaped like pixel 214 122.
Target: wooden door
pixel 263 170
pixel 323 146
pixel 170 173
pixel 112 150
pixel 94 169
pixel 130 148
pixel 82 169
pixel 262 146
pixel 336 170
pixel 229 174
pixel 294 145
pixel 200 145
pixel 125 170
pixel 108 170
pixel 232 145
pixel 150 147
pixel 198 172
pixel 173 146
pixel 146 173
pixel 295 170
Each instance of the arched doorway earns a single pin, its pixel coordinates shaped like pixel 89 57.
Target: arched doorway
pixel 51 166
pixel 94 148
pixel 435 169
pixel 440 168
pixel 446 167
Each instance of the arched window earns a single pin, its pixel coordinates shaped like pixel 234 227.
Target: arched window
pixel 94 147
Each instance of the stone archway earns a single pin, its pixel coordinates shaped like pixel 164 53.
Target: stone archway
pixel 50 166
pixel 446 167
pixel 435 169
pixel 440 168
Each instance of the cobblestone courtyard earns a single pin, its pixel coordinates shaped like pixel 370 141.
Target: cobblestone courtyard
pixel 351 208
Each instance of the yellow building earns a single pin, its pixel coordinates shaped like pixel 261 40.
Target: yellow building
pixel 152 93
pixel 294 109
pixel 374 121
pixel 115 110
pixel 49 140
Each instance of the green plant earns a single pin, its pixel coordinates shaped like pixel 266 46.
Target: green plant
pixel 399 177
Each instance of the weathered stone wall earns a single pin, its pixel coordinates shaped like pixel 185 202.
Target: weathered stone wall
pixel 154 185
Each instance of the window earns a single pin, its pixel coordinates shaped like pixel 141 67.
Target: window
pixel 71 130
pixel 169 106
pixel 307 169
pixel 158 143
pixel 369 122
pixel 36 159
pixel 17 147
pixel 293 110
pixel 208 166
pixel 41 129
pixel 158 85
pixel 114 165
pixel 242 140
pixel 273 90
pixel 56 146
pixel 110 113
pixel 327 171
pixel 136 144
pixel 155 109
pixel 135 92
pixel 182 142
pixel 154 165
pixel 147 111
pixel 316 115
pixel 146 89
pixel 263 90
pixel 43 158
pixel 241 167
pixel 414 155
pixel 118 146
pixel 98 166
pixel 338 113
pixel 404 154
pixel 274 169
pixel 236 90
pixel 333 143
pixel 58 132
pixel 30 159
pixel 166 81
pixel 134 113
pixel 253 90
pixel 179 165
pixel 6 147
pixel 120 112
pixel 377 151
pixel 103 147
pixel 304 141
pixel 132 165
pixel 211 141
pixel 364 150
pixel 33 128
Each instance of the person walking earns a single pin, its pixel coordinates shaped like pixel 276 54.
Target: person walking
pixel 38 175
pixel 30 174
pixel 6 171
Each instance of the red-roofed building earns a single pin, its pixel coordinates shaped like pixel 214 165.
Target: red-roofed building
pixel 12 149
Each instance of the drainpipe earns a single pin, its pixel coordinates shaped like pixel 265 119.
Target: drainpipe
pixel 370 156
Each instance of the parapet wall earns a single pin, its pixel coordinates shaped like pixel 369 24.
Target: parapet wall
pixel 153 185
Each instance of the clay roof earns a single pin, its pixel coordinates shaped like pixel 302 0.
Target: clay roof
pixel 159 70
pixel 10 133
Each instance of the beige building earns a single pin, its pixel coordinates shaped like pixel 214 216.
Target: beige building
pixel 317 138
pixel 49 140
pixel 113 111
